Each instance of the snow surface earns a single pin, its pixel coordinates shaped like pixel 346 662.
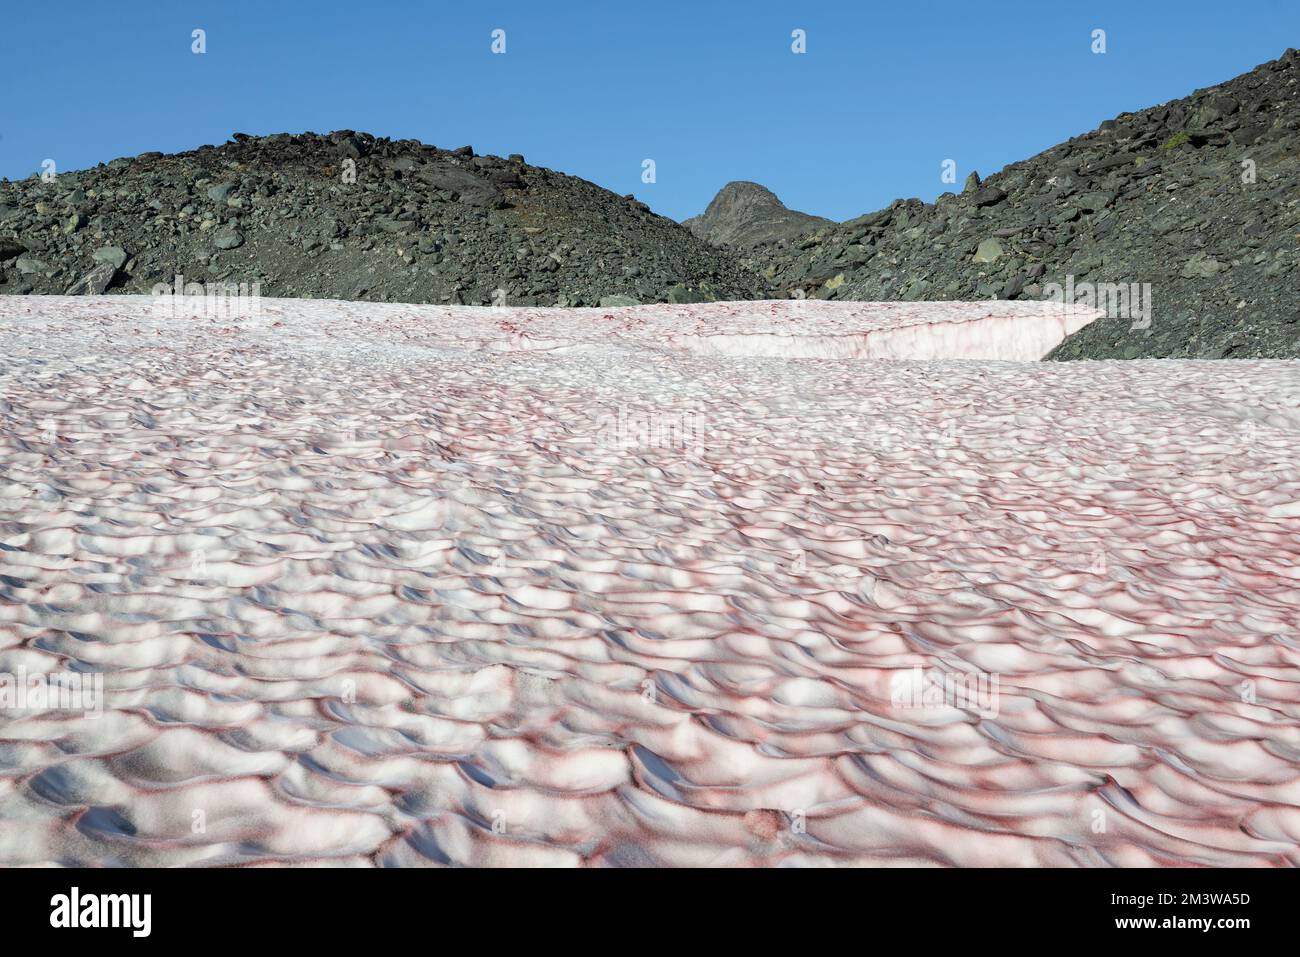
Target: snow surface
pixel 378 584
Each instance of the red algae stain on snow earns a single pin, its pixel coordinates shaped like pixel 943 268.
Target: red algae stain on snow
pixel 422 585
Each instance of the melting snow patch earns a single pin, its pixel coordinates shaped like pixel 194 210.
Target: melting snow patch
pixel 389 584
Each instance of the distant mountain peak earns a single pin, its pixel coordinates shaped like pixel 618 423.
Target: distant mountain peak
pixel 749 214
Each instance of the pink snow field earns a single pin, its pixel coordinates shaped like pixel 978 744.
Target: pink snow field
pixel 734 584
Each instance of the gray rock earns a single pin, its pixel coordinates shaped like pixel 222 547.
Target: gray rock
pixel 464 186
pixel 505 178
pixel 608 302
pixel 221 192
pixel 351 148
pixel 1249 133
pixel 990 250
pixel 1015 285
pixel 94 282
pixel 1106 163
pixel 228 239
pixel 988 196
pixel 1201 266
pixel 29 265
pixel 1214 109
pixel 1094 201
pixel 115 255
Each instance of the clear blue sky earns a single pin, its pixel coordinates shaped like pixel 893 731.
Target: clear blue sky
pixel 711 91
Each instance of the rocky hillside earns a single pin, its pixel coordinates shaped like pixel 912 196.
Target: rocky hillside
pixel 746 214
pixel 1199 197
pixel 418 224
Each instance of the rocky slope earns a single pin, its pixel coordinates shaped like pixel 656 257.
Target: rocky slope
pixel 1198 197
pixel 1164 196
pixel 418 224
pixel 746 214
